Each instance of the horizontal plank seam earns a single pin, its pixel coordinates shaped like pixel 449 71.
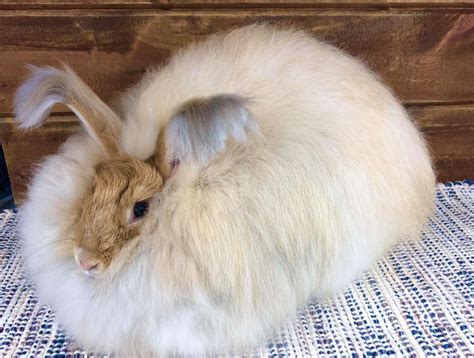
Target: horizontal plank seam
pixel 235 7
pixel 407 105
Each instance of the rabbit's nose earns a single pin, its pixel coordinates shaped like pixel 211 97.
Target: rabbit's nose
pixel 88 262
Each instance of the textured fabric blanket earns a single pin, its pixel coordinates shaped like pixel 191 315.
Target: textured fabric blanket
pixel 417 300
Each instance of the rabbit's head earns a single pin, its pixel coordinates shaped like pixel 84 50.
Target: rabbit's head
pixel 114 211
pixel 124 190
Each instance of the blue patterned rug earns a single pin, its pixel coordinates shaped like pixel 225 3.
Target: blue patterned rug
pixel 417 300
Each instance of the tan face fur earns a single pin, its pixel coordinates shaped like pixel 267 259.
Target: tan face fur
pixel 106 222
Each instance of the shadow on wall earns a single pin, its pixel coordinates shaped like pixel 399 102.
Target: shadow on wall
pixel 6 198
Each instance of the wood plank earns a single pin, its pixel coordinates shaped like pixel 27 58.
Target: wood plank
pixel 449 131
pixel 425 56
pixel 24 149
pixel 323 3
pixel 166 4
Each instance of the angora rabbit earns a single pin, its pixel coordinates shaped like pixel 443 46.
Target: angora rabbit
pixel 257 170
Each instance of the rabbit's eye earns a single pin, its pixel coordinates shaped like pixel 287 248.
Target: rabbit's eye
pixel 174 163
pixel 140 209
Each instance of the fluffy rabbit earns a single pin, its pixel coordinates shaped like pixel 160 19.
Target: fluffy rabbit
pixel 255 171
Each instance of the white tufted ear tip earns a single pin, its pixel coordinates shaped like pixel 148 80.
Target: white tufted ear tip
pixel 201 127
pixel 36 97
pixel 48 86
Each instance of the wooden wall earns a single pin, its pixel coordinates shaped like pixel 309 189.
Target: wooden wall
pixel 424 50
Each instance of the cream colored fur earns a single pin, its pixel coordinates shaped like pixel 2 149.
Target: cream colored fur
pixel 336 175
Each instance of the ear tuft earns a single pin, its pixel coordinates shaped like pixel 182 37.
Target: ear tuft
pixel 201 127
pixel 37 96
pixel 48 86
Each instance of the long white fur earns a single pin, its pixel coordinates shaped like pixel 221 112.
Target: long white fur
pixel 342 175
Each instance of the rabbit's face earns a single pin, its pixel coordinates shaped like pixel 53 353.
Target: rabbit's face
pixel 114 211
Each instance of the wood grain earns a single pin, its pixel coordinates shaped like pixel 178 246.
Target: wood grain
pixel 449 131
pixel 24 149
pixel 425 56
pixel 322 3
pixel 167 4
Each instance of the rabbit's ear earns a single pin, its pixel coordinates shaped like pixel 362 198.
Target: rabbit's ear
pixel 200 129
pixel 49 86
